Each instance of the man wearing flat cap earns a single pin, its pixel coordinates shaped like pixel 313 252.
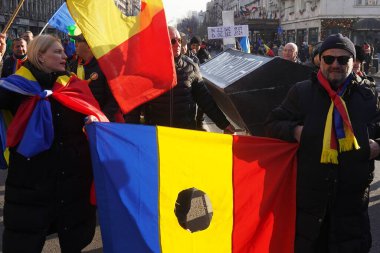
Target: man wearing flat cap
pixel 334 117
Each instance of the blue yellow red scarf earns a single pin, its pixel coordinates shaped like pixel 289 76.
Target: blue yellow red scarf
pixel 338 125
pixel 19 62
pixel 32 126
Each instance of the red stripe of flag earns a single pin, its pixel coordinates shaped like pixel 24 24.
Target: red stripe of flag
pixel 264 212
pixel 139 69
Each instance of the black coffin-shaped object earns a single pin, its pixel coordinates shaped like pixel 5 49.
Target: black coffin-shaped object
pixel 247 87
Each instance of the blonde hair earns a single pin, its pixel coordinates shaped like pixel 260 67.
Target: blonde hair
pixel 39 46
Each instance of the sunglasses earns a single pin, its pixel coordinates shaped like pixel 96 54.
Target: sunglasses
pixel 342 60
pixel 175 40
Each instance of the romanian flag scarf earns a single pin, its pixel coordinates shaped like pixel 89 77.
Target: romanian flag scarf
pixel 339 134
pixel 32 126
pixel 19 62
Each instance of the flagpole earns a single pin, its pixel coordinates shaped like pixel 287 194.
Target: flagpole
pixel 43 29
pixel 6 28
pixel 47 23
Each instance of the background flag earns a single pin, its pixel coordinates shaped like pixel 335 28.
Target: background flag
pixel 62 19
pixel 133 52
pixel 245 45
pixel 140 172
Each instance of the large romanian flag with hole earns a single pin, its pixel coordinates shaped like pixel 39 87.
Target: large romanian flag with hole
pixel 134 52
pixel 170 190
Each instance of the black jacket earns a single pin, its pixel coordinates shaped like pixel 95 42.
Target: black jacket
pixel 203 55
pixel 332 200
pixel 177 107
pixel 99 87
pixel 9 66
pixel 50 191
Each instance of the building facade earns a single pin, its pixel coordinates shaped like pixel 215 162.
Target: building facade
pixel 261 16
pixel 313 20
pixel 32 16
pixel 302 20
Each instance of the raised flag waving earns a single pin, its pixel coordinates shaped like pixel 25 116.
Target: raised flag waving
pixel 62 19
pixel 133 52
pixel 151 184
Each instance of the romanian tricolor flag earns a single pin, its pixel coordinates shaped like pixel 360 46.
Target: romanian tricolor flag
pixel 170 190
pixel 133 52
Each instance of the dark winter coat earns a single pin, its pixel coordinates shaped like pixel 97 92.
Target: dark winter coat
pixel 9 66
pixel 99 87
pixel 177 107
pixel 49 192
pixel 332 200
pixel 203 55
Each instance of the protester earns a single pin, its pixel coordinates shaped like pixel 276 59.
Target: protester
pixel 86 67
pixel 199 49
pixel 185 51
pixel 18 58
pixel 281 50
pixel 176 108
pixel 290 52
pixel 314 57
pixel 332 116
pixel 9 41
pixel 358 63
pixel 303 53
pixel 49 178
pixel 368 57
pixel 201 52
pixel 27 36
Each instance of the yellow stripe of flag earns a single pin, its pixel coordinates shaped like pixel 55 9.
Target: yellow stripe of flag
pixel 204 161
pixel 118 29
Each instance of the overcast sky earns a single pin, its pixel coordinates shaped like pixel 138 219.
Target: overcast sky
pixel 179 8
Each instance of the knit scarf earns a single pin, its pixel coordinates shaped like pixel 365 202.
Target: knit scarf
pixel 338 136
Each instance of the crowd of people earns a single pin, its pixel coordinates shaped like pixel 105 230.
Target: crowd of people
pixel 334 116
pixel 48 185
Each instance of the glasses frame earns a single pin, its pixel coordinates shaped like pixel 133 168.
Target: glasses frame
pixel 342 59
pixel 175 40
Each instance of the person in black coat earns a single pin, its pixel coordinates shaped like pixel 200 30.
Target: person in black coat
pixel 89 70
pixel 14 62
pixel 335 157
pixel 177 107
pixel 48 191
pixel 199 49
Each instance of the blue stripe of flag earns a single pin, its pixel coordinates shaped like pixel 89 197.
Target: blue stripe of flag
pixel 62 19
pixel 126 183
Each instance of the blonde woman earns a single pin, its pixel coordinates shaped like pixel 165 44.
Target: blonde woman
pixel 49 179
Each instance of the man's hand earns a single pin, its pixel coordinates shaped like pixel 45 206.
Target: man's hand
pixel 374 149
pixel 230 129
pixel 89 119
pixel 297 133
